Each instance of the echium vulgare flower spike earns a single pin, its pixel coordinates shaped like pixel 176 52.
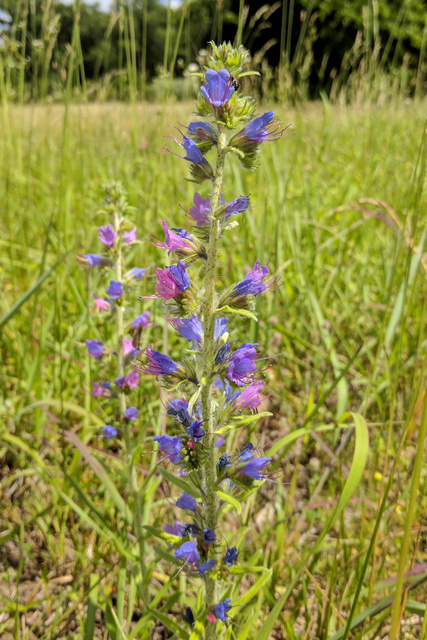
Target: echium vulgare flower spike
pixel 212 358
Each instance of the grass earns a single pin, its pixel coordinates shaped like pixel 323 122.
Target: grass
pixel 338 209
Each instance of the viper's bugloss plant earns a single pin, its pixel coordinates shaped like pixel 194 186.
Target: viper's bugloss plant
pixel 219 379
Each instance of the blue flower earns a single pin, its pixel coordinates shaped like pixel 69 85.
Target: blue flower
pixel 186 502
pixel 92 259
pixel 224 462
pixel 188 552
pixel 256 130
pixel 193 152
pixel 158 364
pixel 206 566
pixel 223 353
pixel 131 414
pixel 179 272
pixel 136 273
pixel 253 283
pixel 218 89
pixel 242 364
pixel 252 468
pixel 109 431
pixel 176 529
pixel 208 536
pixel 221 610
pixel 231 556
pixel 190 328
pixel 141 321
pixel 179 410
pixel 115 290
pixel 171 446
pixel 195 430
pixel 95 348
pixel 237 206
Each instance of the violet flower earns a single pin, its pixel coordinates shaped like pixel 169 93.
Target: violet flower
pixel 250 397
pixel 188 552
pixel 100 390
pixel 218 89
pixel 96 348
pixel 172 281
pixel 141 321
pixel 109 431
pixel 135 273
pixel 131 414
pixel 242 364
pixel 206 566
pixel 186 502
pixel 189 328
pixel 171 446
pixel 129 237
pixel 128 382
pixel 221 610
pixel 177 240
pixel 200 211
pixel 208 536
pixel 92 259
pixel 175 529
pixel 252 468
pixel 158 364
pixel 107 235
pixel 195 430
pixel 129 349
pixel 179 410
pixel 115 290
pixel 231 556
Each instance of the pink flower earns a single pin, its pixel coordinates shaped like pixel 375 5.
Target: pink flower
pixel 129 237
pixel 103 304
pixel 250 396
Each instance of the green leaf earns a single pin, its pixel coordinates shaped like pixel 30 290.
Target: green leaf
pixel 92 606
pixel 244 420
pixel 251 593
pixel 227 498
pixel 358 464
pixel 294 435
pixel 237 312
pixel 29 293
pixel 169 624
pixel 102 474
pixel 180 483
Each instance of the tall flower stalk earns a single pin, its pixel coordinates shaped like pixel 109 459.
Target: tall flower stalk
pixel 218 380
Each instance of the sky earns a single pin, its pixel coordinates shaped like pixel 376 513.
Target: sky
pixel 105 5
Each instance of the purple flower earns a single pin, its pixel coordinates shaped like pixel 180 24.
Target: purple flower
pixel 237 206
pixel 250 396
pixel 107 235
pixel 190 328
pixel 95 348
pixel 131 414
pixel 253 283
pixel 135 273
pixel 246 453
pixel 103 304
pixel 208 536
pixel 231 556
pixel 129 237
pixel 206 566
pixel 222 354
pixel 242 364
pixel 186 502
pixel 128 348
pixel 128 382
pixel 172 281
pixel 252 468
pixel 175 530
pixel 171 446
pixel 203 133
pixel 141 321
pixel 92 259
pixel 221 610
pixel 179 410
pixel 115 290
pixel 256 130
pixel 188 552
pixel 158 364
pixel 193 153
pixel 109 431
pixel 218 89
pixel 100 390
pixel 177 240
pixel 195 430
pixel 200 211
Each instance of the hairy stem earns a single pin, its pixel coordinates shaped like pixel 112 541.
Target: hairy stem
pixel 211 499
pixel 133 480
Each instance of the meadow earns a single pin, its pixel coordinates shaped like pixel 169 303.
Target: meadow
pixel 339 210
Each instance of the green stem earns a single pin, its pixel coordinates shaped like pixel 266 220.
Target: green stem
pixel 211 499
pixel 133 480
pixel 396 610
